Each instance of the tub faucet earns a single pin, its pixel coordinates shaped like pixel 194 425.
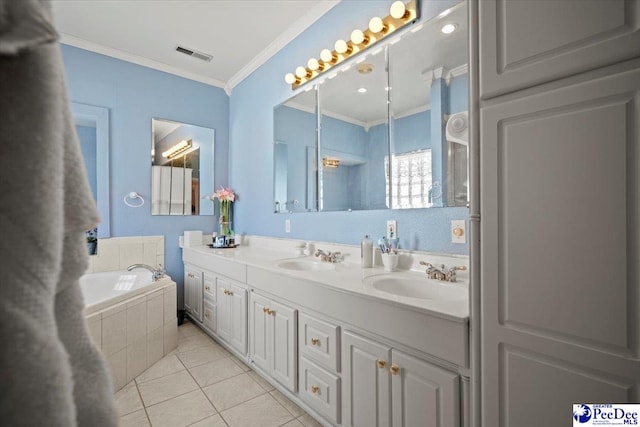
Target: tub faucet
pixel 158 273
pixel 332 257
pixel 442 273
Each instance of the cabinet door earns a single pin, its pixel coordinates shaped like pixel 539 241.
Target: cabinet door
pixel 367 384
pixel 259 320
pixel 224 309
pixel 188 284
pixel 238 318
pixel 284 338
pixel 423 394
pixel 559 268
pixel 196 295
pixel 528 42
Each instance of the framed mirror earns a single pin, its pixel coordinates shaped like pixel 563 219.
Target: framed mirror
pixel 428 114
pixel 392 129
pixel 295 148
pixel 92 128
pixel 182 168
pixel 354 133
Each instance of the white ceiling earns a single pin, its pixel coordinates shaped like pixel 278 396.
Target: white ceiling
pixel 241 35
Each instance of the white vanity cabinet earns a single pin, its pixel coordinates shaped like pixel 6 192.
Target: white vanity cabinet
pixel 193 291
pixel 272 332
pixel 385 387
pixel 232 313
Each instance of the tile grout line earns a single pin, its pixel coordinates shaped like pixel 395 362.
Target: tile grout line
pixel 144 408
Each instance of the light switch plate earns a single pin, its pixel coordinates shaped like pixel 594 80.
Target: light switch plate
pixel 392 226
pixel 287 226
pixel 458 231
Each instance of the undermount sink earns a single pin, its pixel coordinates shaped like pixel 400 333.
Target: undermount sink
pixel 419 288
pixel 305 265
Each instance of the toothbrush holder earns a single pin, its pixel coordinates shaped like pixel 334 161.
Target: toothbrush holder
pixel 390 261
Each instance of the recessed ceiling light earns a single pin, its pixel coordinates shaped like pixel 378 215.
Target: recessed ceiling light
pixel 449 28
pixel 362 90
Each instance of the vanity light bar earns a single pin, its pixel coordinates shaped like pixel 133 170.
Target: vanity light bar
pixel 180 147
pixel 330 163
pixel 400 15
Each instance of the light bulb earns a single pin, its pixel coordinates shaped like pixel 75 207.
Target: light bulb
pixel 377 26
pixel 398 10
pixel 449 28
pixel 327 56
pixel 290 78
pixel 314 65
pixel 301 72
pixel 342 47
pixel 358 37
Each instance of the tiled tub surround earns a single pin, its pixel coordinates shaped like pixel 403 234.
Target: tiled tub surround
pixel 117 253
pixel 322 337
pixel 135 328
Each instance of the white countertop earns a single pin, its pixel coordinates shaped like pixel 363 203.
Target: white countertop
pixel 347 277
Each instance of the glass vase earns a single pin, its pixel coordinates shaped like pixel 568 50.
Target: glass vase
pixel 224 223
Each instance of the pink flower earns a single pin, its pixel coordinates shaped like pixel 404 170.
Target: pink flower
pixel 223 194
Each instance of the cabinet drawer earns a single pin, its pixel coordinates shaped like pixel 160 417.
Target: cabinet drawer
pixel 320 390
pixel 319 341
pixel 209 288
pixel 209 316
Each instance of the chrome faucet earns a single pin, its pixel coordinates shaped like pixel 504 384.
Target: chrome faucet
pixel 158 273
pixel 442 273
pixel 332 257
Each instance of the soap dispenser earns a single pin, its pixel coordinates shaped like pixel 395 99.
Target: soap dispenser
pixel 366 252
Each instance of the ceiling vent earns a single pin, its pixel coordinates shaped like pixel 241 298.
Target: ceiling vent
pixel 202 56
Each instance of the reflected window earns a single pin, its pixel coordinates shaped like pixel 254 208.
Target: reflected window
pixel 411 180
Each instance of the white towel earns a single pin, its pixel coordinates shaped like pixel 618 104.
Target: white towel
pixel 50 373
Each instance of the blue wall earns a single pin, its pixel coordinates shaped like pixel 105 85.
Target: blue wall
pixel 251 131
pixel 88 144
pixel 135 94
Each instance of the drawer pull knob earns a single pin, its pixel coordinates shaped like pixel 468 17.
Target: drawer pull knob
pixel 272 312
pixel 265 310
pixel 381 363
pixel 394 369
pixel 315 341
pixel 206 315
pixel 207 288
pixel 315 389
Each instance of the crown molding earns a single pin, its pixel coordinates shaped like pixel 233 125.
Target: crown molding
pixel 281 41
pixel 459 71
pixel 136 59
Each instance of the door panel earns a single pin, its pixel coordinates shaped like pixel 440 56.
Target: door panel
pixel 283 365
pixel 423 394
pixel 366 395
pixel 259 335
pixel 560 236
pixel 528 42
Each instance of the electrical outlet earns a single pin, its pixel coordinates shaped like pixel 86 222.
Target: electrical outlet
pixel 287 226
pixel 392 229
pixel 458 231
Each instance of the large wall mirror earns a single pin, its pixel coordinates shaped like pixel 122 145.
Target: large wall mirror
pixel 393 125
pixel 92 128
pixel 182 168
pixel 295 148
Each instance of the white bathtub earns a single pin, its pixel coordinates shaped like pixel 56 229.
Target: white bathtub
pixel 105 289
pixel 131 318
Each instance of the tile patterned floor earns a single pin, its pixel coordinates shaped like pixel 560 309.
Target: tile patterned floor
pixel 201 384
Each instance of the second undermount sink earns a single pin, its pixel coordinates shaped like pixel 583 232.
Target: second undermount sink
pixel 419 288
pixel 305 265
